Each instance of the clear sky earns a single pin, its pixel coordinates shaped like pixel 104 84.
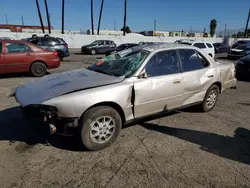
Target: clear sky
pixel 170 14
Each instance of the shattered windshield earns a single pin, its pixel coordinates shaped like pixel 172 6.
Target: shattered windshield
pixel 118 65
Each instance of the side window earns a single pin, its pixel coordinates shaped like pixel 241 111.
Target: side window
pixel 46 41
pixel 55 42
pixel 102 43
pixel 209 45
pixel 33 41
pixel 199 45
pixel 1 48
pixel 16 48
pixel 108 43
pixel 163 63
pixel 191 60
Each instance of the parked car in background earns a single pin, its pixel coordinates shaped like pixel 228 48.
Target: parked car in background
pixel 120 48
pixel 21 56
pixel 98 100
pixel 142 43
pixel 225 46
pixel 243 68
pixel 51 43
pixel 216 47
pixel 98 47
pixel 206 46
pixel 241 42
pixel 238 52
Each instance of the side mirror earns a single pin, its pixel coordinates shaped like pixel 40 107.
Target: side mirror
pixel 143 75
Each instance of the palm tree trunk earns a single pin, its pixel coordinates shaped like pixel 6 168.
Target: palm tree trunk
pixel 92 16
pixel 47 12
pixel 100 17
pixel 63 16
pixel 39 14
pixel 125 17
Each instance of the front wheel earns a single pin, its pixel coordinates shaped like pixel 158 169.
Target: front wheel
pixel 38 69
pixel 93 52
pixel 210 98
pixel 100 127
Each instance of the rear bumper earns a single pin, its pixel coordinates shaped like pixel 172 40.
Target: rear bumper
pixel 53 64
pixel 66 54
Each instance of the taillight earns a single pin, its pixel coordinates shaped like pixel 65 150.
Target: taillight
pixel 66 45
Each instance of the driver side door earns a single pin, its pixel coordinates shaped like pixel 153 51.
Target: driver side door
pixel 162 89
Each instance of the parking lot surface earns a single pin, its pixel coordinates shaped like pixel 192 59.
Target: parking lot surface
pixel 183 149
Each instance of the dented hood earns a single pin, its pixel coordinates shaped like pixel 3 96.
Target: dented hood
pixel 54 85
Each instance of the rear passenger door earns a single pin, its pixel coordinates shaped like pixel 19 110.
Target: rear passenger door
pixel 197 75
pixel 46 43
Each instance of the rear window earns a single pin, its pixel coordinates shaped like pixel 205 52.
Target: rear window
pixel 199 45
pixel 241 42
pixel 61 41
pixel 209 45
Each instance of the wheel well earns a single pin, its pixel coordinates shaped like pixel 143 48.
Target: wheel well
pixel 219 85
pixel 114 105
pixel 210 55
pixel 40 62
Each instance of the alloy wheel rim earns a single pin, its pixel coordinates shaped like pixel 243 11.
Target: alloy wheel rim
pixel 102 129
pixel 211 99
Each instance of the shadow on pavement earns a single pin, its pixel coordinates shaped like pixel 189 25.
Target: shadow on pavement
pixel 13 128
pixel 236 148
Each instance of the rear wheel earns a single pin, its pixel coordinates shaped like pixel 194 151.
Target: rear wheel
pixel 100 127
pixel 210 98
pixel 38 69
pixel 60 56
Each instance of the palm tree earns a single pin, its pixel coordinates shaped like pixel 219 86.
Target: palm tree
pixel 125 17
pixel 100 17
pixel 92 16
pixel 47 12
pixel 63 16
pixel 39 14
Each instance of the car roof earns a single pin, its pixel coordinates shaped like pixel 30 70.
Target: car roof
pixel 166 46
pixel 18 41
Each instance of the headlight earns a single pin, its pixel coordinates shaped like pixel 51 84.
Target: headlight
pixel 240 63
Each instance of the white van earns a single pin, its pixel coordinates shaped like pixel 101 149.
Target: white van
pixel 206 46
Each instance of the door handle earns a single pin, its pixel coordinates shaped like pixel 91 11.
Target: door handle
pixel 176 81
pixel 210 76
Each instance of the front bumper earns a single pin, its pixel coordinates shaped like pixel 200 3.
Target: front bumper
pixel 46 116
pixel 85 50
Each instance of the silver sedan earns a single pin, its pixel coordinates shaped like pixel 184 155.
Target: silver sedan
pixel 99 100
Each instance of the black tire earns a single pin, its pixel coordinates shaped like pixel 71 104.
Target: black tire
pixel 60 56
pixel 87 124
pixel 38 69
pixel 92 51
pixel 215 90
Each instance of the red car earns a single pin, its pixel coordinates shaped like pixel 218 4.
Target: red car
pixel 21 56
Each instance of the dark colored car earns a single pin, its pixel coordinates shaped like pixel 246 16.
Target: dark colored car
pixel 121 47
pixel 51 43
pixel 241 42
pixel 216 47
pixel 243 68
pixel 225 46
pixel 238 52
pixel 21 56
pixel 142 43
pixel 98 47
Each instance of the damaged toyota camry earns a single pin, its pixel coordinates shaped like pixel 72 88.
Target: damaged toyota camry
pixel 97 101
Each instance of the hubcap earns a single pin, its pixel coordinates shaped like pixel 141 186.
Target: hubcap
pixel 102 129
pixel 211 99
pixel 39 69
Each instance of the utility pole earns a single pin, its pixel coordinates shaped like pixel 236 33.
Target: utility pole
pixel 125 17
pixel 247 24
pixel 39 14
pixel 100 18
pixel 62 16
pixel 92 17
pixel 225 31
pixel 47 12
pixel 155 25
pixel 114 25
pixel 22 19
pixel 6 18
